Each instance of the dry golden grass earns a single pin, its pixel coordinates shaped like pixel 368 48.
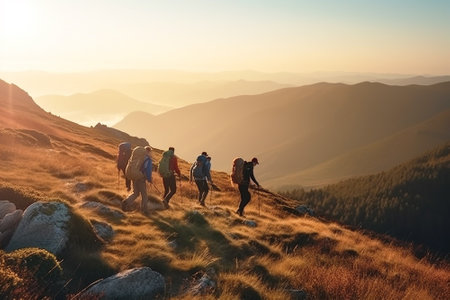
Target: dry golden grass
pixel 282 252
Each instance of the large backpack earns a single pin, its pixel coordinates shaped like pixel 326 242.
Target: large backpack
pixel 237 171
pixel 200 168
pixel 133 170
pixel 164 164
pixel 123 155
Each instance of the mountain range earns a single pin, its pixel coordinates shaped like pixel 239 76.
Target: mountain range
pixel 87 109
pixel 309 135
pixel 40 83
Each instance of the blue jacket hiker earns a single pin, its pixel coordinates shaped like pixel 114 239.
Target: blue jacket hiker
pixel 142 173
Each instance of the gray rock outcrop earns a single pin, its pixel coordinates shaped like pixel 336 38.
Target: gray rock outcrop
pixel 103 230
pixel 103 210
pixel 137 283
pixel 206 284
pixel 6 207
pixel 44 225
pixel 8 225
pixel 304 210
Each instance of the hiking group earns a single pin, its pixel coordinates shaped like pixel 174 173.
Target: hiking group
pixel 136 165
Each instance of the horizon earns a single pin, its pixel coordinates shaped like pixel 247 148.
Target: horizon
pixel 406 37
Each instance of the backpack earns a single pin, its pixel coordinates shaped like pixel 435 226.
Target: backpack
pixel 123 155
pixel 164 164
pixel 237 171
pixel 133 170
pixel 200 169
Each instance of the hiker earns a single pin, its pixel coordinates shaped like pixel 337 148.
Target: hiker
pixel 201 174
pixel 122 161
pixel 139 172
pixel 243 186
pixel 168 166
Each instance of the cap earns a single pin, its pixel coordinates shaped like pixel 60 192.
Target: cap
pixel 204 153
pixel 255 160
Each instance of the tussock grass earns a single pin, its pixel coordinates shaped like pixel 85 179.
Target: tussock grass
pixel 29 272
pixel 22 197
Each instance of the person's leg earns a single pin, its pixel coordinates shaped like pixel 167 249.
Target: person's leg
pixel 205 190
pixel 130 199
pixel 173 188
pixel 243 189
pixel 199 186
pixel 127 181
pixel 166 186
pixel 143 192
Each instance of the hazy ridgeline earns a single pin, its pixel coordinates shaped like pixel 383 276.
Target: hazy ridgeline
pixel 410 201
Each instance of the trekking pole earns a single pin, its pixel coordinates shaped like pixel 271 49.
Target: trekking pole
pixel 179 184
pixel 156 188
pixel 210 195
pixel 259 202
pixel 118 180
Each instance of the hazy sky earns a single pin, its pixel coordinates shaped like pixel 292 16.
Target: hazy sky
pixel 394 36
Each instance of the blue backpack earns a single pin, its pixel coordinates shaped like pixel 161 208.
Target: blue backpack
pixel 199 170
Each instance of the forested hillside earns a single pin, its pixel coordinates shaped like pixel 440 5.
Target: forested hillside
pixel 410 201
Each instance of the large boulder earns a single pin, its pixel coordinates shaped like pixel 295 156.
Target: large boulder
pixel 8 225
pixel 137 283
pixel 44 225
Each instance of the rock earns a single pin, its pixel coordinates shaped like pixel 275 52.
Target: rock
pixel 297 294
pixel 305 210
pixel 152 205
pixel 44 225
pixel 6 207
pixel 250 223
pixel 205 284
pixel 103 230
pixel 8 225
pixel 103 210
pixel 173 244
pixel 11 220
pixel 137 283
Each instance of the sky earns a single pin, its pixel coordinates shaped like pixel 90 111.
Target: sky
pixel 383 36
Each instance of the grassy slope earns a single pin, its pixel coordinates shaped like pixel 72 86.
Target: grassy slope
pixel 284 251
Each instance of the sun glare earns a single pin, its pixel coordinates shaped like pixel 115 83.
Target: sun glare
pixel 16 18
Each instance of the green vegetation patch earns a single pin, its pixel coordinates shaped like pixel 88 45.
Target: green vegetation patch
pixel 29 273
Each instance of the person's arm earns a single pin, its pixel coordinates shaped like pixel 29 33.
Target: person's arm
pixel 148 169
pixel 174 165
pixel 252 176
pixel 208 173
pixel 190 172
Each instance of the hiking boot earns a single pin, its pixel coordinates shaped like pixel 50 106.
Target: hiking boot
pixel 123 206
pixel 166 204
